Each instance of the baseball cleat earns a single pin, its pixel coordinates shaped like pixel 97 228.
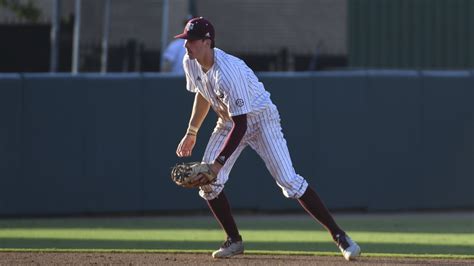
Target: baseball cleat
pixel 228 249
pixel 350 250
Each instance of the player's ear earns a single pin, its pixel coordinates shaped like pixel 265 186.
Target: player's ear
pixel 208 42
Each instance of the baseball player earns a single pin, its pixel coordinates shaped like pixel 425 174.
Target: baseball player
pixel 246 117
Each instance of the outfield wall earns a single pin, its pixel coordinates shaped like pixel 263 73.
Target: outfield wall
pixel 370 140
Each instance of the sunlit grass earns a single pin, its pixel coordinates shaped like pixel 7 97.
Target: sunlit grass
pixel 405 235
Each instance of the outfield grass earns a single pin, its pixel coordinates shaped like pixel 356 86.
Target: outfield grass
pixel 427 235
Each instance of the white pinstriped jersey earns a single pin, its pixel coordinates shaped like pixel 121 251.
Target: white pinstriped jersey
pixel 229 85
pixel 233 89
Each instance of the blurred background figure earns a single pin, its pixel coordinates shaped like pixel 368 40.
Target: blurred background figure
pixel 174 53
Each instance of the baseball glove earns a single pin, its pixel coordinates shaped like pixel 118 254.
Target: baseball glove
pixel 192 174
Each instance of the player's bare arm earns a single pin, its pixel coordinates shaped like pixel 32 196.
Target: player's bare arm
pixel 199 112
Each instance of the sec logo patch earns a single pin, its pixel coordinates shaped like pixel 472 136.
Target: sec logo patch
pixel 239 102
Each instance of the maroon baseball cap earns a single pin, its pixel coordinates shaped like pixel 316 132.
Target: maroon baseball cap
pixel 196 29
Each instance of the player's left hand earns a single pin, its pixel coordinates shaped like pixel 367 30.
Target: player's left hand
pixel 193 174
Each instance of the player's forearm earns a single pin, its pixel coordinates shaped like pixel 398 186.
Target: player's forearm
pixel 234 138
pixel 200 109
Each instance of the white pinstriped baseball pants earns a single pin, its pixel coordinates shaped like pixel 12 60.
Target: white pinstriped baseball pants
pixel 264 135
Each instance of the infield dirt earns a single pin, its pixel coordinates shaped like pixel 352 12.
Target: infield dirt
pixel 66 258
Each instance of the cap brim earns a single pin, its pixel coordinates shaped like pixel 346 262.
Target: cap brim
pixel 183 35
pixel 186 36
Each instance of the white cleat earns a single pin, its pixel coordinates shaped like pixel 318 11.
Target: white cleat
pixel 229 249
pixel 349 248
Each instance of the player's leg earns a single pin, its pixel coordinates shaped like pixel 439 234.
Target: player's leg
pixel 311 202
pixel 271 145
pixel 233 245
pixel 216 198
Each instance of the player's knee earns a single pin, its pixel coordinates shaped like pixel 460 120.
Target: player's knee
pixel 294 190
pixel 289 194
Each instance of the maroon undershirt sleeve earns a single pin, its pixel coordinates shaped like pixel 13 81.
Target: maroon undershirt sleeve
pixel 233 139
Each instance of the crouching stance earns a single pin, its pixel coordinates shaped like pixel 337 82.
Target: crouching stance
pixel 246 117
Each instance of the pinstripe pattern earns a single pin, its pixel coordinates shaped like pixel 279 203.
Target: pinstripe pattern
pixel 226 82
pixel 233 89
pixel 263 135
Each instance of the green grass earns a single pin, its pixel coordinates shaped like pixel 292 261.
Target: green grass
pixel 427 235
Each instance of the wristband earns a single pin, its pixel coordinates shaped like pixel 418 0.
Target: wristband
pixel 221 160
pixel 192 130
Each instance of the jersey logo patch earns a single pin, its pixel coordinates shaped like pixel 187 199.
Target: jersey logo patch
pixel 239 102
pixel 198 78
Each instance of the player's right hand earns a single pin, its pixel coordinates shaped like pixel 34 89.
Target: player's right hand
pixel 186 146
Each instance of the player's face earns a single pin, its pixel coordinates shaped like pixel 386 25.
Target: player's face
pixel 195 48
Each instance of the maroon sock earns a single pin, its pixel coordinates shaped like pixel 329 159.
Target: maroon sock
pixel 221 209
pixel 315 207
